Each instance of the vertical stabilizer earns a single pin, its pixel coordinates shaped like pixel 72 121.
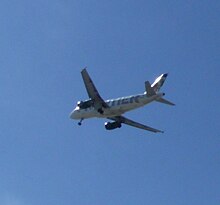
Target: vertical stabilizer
pixel 157 84
pixel 149 90
pixel 159 81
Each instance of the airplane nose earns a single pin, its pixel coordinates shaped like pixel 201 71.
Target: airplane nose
pixel 71 115
pixel 74 114
pixel 165 75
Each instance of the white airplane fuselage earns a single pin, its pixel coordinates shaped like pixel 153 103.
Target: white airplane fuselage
pixel 116 107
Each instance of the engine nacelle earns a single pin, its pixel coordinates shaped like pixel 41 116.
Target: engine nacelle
pixel 85 104
pixel 79 103
pixel 112 125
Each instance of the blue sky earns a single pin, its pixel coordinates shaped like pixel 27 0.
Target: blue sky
pixel 46 158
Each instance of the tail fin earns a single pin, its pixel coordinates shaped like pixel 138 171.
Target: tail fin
pixel 159 81
pixel 149 90
pixel 155 87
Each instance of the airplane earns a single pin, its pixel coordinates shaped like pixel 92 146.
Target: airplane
pixel 113 109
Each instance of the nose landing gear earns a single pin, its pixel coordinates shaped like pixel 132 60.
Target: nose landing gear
pixel 80 122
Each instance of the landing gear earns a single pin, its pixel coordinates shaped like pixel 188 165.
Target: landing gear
pixel 80 122
pixel 100 111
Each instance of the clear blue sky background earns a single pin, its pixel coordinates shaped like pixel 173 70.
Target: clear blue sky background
pixel 46 158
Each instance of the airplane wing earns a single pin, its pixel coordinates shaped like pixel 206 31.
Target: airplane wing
pixel 127 121
pixel 92 91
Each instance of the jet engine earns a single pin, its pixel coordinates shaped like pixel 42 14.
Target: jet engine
pixel 112 125
pixel 85 104
pixel 79 103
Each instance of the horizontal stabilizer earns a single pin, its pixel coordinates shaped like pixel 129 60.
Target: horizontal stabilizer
pixel 162 100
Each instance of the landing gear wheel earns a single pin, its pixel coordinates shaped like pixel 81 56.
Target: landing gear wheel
pixel 100 111
pixel 80 122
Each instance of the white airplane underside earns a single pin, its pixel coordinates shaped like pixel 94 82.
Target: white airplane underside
pixel 113 109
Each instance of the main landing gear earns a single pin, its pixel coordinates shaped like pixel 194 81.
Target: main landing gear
pixel 100 111
pixel 80 122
